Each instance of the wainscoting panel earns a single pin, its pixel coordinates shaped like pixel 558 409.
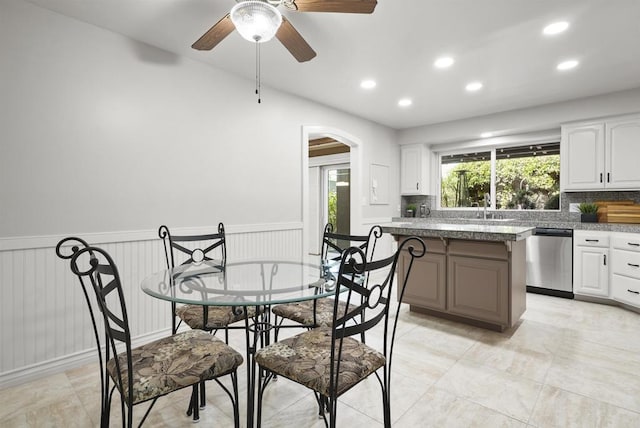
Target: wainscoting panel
pixel 44 322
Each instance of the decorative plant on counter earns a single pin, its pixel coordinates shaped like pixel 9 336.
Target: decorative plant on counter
pixel 589 212
pixel 411 210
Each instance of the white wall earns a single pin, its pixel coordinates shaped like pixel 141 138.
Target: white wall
pixel 101 133
pixel 539 118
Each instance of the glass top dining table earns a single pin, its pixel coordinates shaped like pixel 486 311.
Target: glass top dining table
pixel 243 284
pixel 246 283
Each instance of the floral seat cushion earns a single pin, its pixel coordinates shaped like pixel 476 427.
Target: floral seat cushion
pixel 302 312
pixel 305 359
pixel 175 362
pixel 217 316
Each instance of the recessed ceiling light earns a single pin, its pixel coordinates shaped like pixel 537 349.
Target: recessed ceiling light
pixel 555 28
pixel 368 84
pixel 567 65
pixel 486 135
pixel 473 86
pixel 444 62
pixel 405 102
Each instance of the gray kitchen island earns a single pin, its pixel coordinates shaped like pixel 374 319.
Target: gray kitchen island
pixel 473 273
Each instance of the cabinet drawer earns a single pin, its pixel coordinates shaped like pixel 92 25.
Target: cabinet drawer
pixel 591 240
pixel 626 290
pixel 626 242
pixel 484 249
pixel 434 245
pixel 625 263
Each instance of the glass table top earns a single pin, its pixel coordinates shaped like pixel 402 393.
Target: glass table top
pixel 249 283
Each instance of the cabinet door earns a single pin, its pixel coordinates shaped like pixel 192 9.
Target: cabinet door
pixel 413 170
pixel 582 157
pixel 591 271
pixel 426 286
pixel 479 289
pixel 622 153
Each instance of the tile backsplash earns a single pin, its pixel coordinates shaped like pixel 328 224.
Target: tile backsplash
pixel 562 215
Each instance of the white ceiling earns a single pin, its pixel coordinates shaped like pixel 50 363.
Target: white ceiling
pixel 498 42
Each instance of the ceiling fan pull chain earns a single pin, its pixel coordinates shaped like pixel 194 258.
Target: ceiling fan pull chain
pixel 258 71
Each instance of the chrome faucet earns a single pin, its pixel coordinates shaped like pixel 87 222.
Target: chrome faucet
pixel 487 200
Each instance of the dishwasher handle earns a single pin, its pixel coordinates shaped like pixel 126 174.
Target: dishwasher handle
pixel 543 231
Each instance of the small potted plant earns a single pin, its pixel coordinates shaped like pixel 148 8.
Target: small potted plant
pixel 589 212
pixel 411 210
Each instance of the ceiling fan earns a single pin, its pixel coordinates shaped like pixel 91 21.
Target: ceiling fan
pixel 259 21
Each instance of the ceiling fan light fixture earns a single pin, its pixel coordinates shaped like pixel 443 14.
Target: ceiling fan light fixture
pixel 256 21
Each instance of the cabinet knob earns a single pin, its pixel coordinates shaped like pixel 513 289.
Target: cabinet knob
pixel 417 186
pixel 633 265
pixel 600 177
pixel 634 244
pixel 605 259
pixel 592 240
pixel 633 291
pixel 608 178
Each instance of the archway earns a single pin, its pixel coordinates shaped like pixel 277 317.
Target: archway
pixel 316 131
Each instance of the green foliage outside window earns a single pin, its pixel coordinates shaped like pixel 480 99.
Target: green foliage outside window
pixel 333 207
pixel 521 183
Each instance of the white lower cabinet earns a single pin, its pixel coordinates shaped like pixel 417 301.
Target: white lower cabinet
pixel 607 264
pixel 591 263
pixel 625 268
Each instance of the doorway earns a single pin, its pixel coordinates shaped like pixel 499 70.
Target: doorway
pixel 336 197
pixel 312 222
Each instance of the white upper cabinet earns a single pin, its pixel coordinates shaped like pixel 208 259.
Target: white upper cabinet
pixel 601 155
pixel 622 153
pixel 414 160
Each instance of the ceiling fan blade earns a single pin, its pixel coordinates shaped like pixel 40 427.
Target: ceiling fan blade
pixel 293 41
pixel 215 35
pixel 343 6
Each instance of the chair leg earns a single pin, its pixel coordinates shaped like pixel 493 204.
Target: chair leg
pixel 236 404
pixel 203 395
pixel 386 405
pixel 275 328
pixel 260 391
pixel 333 408
pixel 194 409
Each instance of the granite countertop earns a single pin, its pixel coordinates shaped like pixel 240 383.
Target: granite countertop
pixel 574 225
pixel 442 229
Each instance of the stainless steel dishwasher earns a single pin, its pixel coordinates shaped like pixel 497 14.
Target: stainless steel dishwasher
pixel 550 262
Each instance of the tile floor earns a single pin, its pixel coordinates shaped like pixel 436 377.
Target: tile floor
pixel 566 364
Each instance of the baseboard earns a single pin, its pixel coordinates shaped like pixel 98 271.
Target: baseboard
pixel 62 364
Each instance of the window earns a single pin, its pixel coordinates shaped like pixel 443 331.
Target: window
pixel 523 177
pixel 465 178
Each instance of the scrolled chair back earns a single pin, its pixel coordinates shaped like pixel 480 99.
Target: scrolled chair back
pixel 97 271
pixel 371 297
pixel 175 245
pixel 334 244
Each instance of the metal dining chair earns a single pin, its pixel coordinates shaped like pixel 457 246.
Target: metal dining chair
pixel 155 369
pixel 330 360
pixel 319 312
pixel 185 249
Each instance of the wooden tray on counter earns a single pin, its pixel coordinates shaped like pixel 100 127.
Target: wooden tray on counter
pixel 623 214
pixel 603 209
